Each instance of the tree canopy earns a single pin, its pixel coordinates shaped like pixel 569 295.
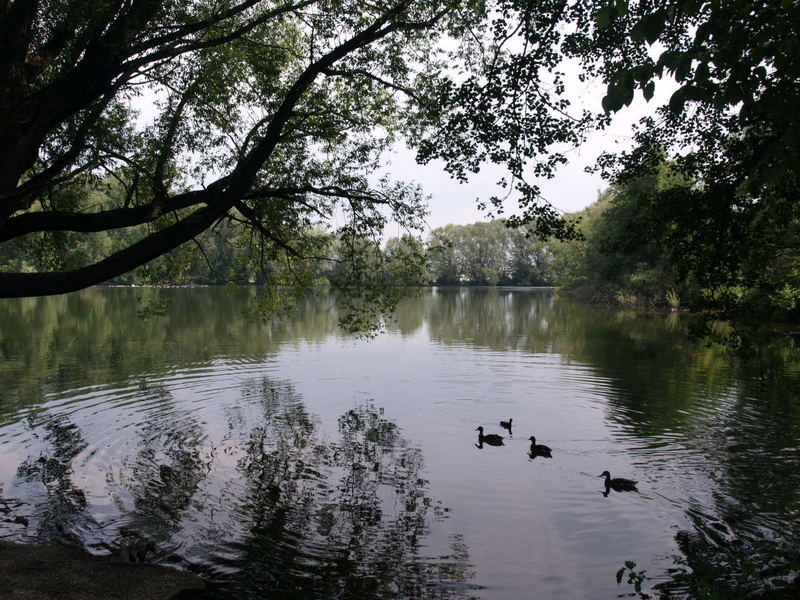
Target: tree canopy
pixel 488 253
pixel 171 118
pixel 271 119
pixel 730 130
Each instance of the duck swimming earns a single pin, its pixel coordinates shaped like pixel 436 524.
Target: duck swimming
pixel 506 424
pixel 492 439
pixel 619 484
pixel 539 449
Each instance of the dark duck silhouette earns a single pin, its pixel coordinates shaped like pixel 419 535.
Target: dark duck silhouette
pixel 506 424
pixel 618 483
pixel 539 449
pixel 492 439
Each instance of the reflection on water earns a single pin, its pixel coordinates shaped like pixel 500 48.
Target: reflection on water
pixel 246 493
pixel 285 460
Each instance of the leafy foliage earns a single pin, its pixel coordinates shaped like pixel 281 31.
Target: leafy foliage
pixel 729 127
pixel 487 253
pixel 268 121
pixel 263 122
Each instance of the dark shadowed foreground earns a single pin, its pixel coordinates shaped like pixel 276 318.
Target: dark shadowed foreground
pixel 55 570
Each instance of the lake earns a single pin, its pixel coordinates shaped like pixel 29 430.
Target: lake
pixel 288 460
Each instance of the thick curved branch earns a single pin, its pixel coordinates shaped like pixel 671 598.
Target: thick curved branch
pixel 13 285
pixel 248 167
pixel 98 221
pixel 220 196
pixel 181 32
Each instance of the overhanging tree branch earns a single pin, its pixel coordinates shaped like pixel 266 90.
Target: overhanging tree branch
pixel 14 285
pixel 117 218
pixel 219 197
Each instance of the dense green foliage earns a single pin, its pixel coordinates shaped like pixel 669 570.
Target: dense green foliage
pixel 489 253
pixel 238 132
pixel 638 249
pixel 604 266
pixel 260 121
pixel 731 128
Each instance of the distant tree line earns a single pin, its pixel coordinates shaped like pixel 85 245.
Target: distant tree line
pixel 488 253
pixel 484 253
pixel 632 250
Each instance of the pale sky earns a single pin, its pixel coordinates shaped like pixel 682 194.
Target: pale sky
pixel 571 190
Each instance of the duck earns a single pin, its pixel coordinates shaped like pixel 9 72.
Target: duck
pixel 492 439
pixel 506 424
pixel 539 449
pixel 619 484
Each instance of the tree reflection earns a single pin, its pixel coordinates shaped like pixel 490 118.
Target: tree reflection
pixel 343 520
pixel 59 507
pixel 98 336
pixel 730 424
pixel 258 495
pixel 264 505
pixel 742 543
pixel 166 473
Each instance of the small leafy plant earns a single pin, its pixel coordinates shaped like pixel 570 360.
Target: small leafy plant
pixel 635 578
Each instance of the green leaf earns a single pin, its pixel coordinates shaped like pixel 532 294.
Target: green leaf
pixel 627 97
pixel 604 16
pixel 733 95
pixel 649 90
pixel 615 97
pixel 641 73
pixel 684 94
pixel 683 68
pixel 692 92
pixel 669 59
pixel 620 573
pixel 701 73
pixel 637 31
pixel 676 102
pixel 653 25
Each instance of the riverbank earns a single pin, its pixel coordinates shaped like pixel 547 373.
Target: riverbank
pixel 57 571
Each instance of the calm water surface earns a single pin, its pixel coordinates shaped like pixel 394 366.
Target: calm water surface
pixel 286 460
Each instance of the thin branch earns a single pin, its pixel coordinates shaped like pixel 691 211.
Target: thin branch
pixel 253 219
pixel 202 250
pixel 383 82
pixel 169 53
pixel 159 188
pixel 177 34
